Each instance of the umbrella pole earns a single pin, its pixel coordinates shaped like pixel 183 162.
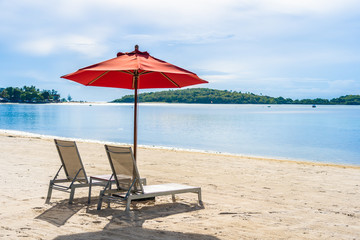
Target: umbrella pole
pixel 136 76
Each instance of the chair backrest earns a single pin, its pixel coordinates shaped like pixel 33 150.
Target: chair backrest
pixel 124 168
pixel 71 161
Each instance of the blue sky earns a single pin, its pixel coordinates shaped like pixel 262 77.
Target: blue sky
pixel 296 49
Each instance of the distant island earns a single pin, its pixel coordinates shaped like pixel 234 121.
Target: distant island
pixel 191 95
pixel 29 95
pixel 208 96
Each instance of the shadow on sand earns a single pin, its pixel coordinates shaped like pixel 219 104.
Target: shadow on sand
pixel 123 225
pixel 60 212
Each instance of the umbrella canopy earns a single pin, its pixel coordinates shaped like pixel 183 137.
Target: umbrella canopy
pixel 134 70
pixel 120 72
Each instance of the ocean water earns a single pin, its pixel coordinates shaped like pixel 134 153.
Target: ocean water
pixel 323 134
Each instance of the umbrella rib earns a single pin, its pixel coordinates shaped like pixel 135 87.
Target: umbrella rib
pixel 145 72
pixel 97 78
pixel 128 72
pixel 169 79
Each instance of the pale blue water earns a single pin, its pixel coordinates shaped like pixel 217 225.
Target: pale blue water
pixel 323 134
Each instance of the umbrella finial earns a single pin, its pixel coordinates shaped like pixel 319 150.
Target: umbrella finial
pixel 136 47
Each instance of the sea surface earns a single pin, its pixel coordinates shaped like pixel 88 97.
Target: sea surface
pixel 323 134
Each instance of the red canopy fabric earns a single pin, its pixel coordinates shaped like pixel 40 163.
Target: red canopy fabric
pixel 119 72
pixel 134 70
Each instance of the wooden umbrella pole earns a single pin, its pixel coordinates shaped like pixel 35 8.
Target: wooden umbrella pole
pixel 136 77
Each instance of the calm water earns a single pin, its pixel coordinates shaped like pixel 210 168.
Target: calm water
pixel 324 134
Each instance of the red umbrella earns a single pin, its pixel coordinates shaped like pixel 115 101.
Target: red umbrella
pixel 134 70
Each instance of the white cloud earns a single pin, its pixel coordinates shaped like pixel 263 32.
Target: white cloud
pixel 40 46
pixel 219 78
pixel 348 84
pixel 85 45
pixel 47 46
pixel 178 22
pixel 308 6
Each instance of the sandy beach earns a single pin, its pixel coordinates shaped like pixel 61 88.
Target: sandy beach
pixel 244 198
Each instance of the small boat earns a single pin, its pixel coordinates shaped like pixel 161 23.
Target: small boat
pixel 314 106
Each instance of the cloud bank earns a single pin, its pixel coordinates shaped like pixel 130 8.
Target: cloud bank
pixel 249 44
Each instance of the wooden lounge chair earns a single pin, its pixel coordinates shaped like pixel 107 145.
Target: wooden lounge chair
pixel 127 178
pixel 74 170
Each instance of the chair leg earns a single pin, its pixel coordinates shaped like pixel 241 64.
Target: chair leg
pixel 173 197
pixel 108 200
pixel 100 200
pixel 128 202
pixel 89 197
pixel 199 197
pixel 72 192
pixel 49 192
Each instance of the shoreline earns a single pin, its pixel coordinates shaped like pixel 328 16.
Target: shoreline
pixel 175 103
pixel 5 132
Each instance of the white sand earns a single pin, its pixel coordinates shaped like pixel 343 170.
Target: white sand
pixel 244 198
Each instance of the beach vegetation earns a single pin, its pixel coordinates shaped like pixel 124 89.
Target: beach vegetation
pixel 28 95
pixel 208 96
